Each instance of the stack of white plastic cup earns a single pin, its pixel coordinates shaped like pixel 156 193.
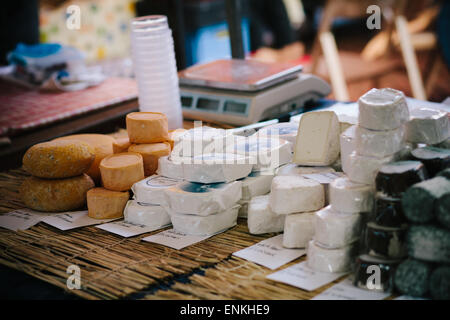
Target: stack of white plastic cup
pixel 155 68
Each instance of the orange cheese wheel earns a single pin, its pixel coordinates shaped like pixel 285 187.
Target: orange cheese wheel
pixel 121 170
pixel 151 153
pixel 173 135
pixel 147 127
pixel 121 144
pixel 106 204
pixel 102 145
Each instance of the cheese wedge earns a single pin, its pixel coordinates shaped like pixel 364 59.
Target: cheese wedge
pixel 120 171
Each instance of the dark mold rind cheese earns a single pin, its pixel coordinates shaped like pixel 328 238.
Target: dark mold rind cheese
pixel 429 243
pixel 444 173
pixel 389 212
pixel 55 195
pixel 58 159
pixel 442 210
pixel 362 274
pixel 412 277
pixel 419 201
pixel 440 283
pixel 385 242
pixel 434 159
pixel 395 177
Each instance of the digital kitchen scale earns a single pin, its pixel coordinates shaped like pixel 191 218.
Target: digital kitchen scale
pixel 242 92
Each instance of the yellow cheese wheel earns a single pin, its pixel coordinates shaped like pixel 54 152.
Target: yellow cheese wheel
pixel 147 127
pixel 173 135
pixel 151 153
pixel 106 204
pixel 121 144
pixel 103 147
pixel 120 171
pixel 58 159
pixel 55 195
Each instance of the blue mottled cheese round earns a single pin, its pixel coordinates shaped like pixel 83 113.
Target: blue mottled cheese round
pixel 284 130
pixel 256 184
pixel 217 167
pixel 348 145
pixel 268 153
pixel 146 214
pixel 203 199
pixel 429 126
pixel 335 229
pixel 412 277
pixel 292 169
pixel 298 230
pixel 292 194
pixel 382 109
pixel 331 260
pixel 429 243
pixel 194 141
pixel 317 143
pixel 151 189
pixel 261 219
pixel 170 167
pixel 207 225
pixel 364 169
pixel 348 196
pixel 379 143
pixel 440 283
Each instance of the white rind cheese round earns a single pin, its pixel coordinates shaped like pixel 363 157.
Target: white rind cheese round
pixel 298 230
pixel 292 169
pixel 217 167
pixel 151 189
pixel 284 130
pixel 379 143
pixel 205 226
pixel 203 199
pixel 429 126
pixel 351 197
pixel 382 109
pixel 256 184
pixel 261 219
pixel 193 142
pixel 348 145
pixel 243 210
pixel 170 168
pixel 292 194
pixel 335 229
pixel 364 169
pixel 146 214
pixel 331 260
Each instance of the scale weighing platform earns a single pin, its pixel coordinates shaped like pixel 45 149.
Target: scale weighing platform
pixel 242 92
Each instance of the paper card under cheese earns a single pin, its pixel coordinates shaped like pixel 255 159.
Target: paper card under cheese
pixel 72 220
pixel 174 239
pixel 270 253
pixel 21 219
pixel 127 229
pixel 301 276
pixel 345 290
pixel 409 298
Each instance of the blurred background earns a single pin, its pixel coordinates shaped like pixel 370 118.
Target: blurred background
pixel 330 38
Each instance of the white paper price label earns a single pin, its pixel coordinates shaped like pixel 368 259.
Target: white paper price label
pixel 71 220
pixel 345 290
pixel 21 219
pixel 174 239
pixel 127 229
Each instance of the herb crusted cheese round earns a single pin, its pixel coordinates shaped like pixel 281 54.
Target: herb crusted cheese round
pixel 58 159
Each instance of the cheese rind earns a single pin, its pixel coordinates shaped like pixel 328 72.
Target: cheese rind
pixel 121 144
pixel 194 142
pixel 121 170
pixel 317 143
pixel 298 230
pixel 434 159
pixel 146 214
pixel 283 130
pixel 174 135
pixel 389 212
pixel 348 145
pixel 330 260
pixel 203 199
pixel 364 169
pixel 102 145
pixel 382 109
pixel 429 243
pixel 170 169
pixel 291 169
pixel 58 159
pixel 151 190
pixel 379 143
pixel 243 210
pixel 147 127
pixel 205 225
pixel 150 154
pixel 106 204
pixel 429 126
pixel 351 197
pixel 336 229
pixel 385 242
pixel 261 219
pixel 256 184
pixel 292 194
pixel 55 195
